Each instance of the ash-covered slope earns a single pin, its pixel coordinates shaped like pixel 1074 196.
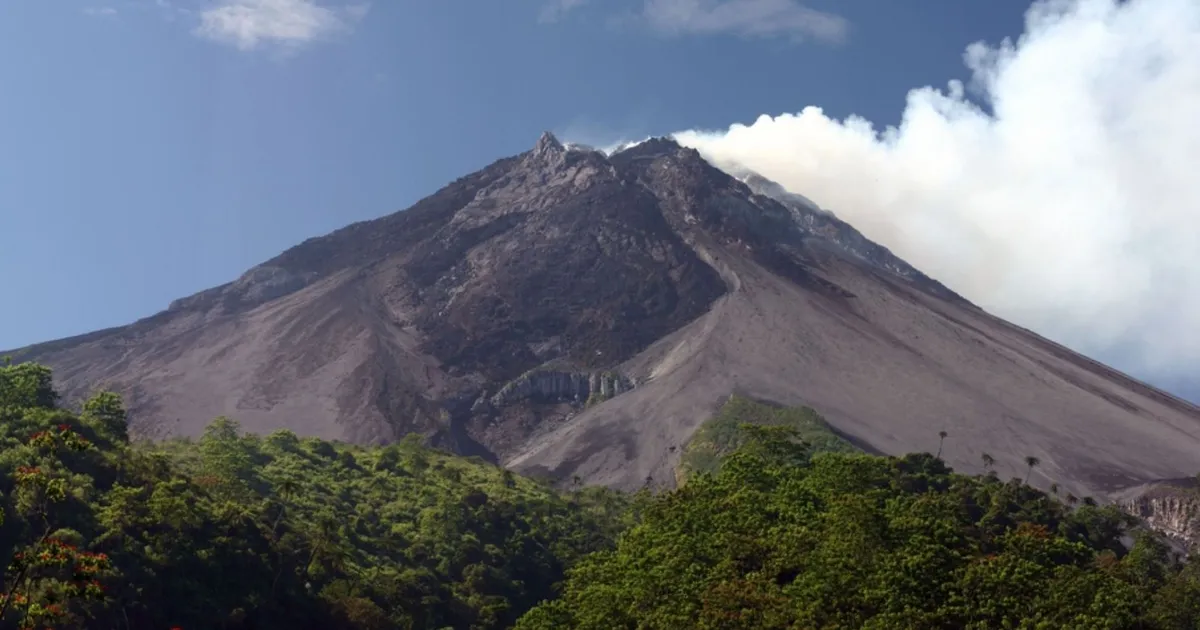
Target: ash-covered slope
pixel 581 314
pixel 407 322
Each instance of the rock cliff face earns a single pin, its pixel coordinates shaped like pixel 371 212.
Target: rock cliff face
pixel 510 314
pixel 558 386
pixel 1172 508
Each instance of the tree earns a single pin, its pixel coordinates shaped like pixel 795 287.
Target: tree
pixel 1030 461
pixel 989 462
pixel 941 440
pixel 50 579
pixel 108 412
pixel 227 465
pixel 27 386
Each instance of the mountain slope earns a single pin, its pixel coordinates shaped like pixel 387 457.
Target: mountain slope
pixel 569 312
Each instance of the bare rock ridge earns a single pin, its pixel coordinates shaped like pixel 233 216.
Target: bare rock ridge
pixel 832 231
pixel 574 313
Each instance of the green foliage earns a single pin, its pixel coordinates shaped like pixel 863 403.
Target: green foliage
pixel 775 539
pixel 47 579
pixel 788 527
pixel 106 410
pixel 26 386
pixel 727 431
pixel 238 531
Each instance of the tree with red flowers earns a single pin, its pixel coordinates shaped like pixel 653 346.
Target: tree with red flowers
pixel 49 580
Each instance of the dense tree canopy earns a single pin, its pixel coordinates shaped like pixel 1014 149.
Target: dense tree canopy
pixel 235 531
pixel 240 531
pixel 778 538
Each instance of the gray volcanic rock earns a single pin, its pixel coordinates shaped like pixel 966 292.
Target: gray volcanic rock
pixel 1170 506
pixel 395 325
pixel 569 312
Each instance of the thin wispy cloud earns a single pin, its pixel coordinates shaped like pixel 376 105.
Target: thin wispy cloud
pixel 790 19
pixel 169 11
pixel 99 11
pixel 249 24
pixel 746 18
pixel 556 9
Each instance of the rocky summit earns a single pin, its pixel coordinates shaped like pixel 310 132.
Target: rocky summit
pixel 580 314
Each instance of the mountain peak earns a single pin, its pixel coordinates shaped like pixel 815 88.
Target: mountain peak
pixel 652 146
pixel 510 314
pixel 547 143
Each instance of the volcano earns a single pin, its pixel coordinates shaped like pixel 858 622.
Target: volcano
pixel 576 313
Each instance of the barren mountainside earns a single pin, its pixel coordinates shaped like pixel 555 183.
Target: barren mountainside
pixel 575 313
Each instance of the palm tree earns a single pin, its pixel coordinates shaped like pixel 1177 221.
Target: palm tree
pixel 286 489
pixel 1054 489
pixel 988 461
pixel 941 440
pixel 1030 461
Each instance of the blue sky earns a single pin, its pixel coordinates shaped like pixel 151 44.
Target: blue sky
pixel 153 148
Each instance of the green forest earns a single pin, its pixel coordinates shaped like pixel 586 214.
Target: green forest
pixel 780 524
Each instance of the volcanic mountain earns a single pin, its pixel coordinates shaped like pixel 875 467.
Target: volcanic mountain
pixel 580 314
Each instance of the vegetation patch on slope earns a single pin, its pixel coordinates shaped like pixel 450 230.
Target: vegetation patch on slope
pixel 725 433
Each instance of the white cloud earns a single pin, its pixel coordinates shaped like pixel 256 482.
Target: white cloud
pixel 247 24
pixel 748 18
pixel 745 18
pixel 1073 208
pixel 100 11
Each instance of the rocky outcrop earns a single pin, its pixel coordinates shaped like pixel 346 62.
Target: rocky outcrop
pixel 558 386
pixel 1170 508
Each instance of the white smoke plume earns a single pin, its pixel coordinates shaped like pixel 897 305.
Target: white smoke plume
pixel 1070 205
